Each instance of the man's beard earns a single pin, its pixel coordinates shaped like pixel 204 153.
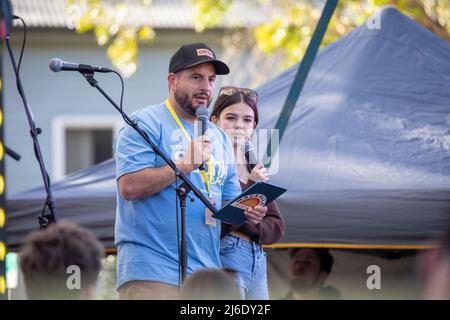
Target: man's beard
pixel 185 102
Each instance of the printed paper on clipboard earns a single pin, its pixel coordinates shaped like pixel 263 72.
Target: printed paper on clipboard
pixel 259 194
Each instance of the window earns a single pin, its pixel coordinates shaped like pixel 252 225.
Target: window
pixel 80 142
pixel 86 147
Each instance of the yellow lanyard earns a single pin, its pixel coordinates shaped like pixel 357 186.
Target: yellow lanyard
pixel 177 120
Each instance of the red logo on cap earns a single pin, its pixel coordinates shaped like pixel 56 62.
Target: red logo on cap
pixel 205 52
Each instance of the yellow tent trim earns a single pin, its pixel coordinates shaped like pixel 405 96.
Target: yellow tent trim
pixel 334 246
pixel 349 246
pixel 111 250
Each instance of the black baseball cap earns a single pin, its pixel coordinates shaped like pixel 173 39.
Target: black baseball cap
pixel 190 55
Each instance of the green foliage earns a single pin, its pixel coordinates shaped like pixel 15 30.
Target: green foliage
pixel 108 21
pixel 209 13
pixel 287 28
pixel 290 26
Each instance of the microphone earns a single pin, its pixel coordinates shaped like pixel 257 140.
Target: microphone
pixel 250 157
pixel 57 65
pixel 202 116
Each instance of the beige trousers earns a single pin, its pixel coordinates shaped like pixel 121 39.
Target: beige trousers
pixel 147 290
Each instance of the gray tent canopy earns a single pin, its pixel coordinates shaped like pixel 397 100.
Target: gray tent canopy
pixel 365 156
pixel 87 197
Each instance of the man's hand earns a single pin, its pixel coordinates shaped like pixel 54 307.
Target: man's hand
pixel 256 214
pixel 199 151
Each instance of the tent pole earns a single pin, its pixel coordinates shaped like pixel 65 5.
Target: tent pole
pixel 300 78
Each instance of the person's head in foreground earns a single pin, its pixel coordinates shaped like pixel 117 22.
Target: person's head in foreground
pixel 310 268
pixel 61 262
pixel 211 284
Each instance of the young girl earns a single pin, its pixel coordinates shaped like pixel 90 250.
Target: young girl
pixel 235 111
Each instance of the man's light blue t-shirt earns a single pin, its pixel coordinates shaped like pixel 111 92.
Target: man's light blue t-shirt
pixel 146 229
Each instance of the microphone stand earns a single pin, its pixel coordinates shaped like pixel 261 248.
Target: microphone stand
pixel 44 219
pixel 182 190
pixel 10 152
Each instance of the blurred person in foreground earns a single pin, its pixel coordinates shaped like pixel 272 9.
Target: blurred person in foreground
pixel 310 268
pixel 211 284
pixel 51 258
pixel 434 270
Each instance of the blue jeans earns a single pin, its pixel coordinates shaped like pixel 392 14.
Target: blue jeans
pixel 249 260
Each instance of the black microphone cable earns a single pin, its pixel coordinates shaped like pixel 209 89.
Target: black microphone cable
pixel 44 220
pixel 180 282
pixel 24 40
pixel 121 100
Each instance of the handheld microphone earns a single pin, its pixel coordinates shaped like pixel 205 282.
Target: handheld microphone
pixel 250 157
pixel 57 65
pixel 202 116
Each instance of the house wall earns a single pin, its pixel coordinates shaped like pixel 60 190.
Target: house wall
pixel 67 95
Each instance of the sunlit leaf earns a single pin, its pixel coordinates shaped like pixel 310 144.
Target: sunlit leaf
pixel 146 34
pixel 288 30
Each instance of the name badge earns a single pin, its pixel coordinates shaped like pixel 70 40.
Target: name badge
pixel 209 220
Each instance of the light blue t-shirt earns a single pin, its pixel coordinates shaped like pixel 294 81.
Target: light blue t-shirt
pixel 146 229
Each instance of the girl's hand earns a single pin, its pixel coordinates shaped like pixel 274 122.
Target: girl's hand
pixel 256 214
pixel 259 173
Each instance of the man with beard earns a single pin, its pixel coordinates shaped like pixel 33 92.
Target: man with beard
pixel 310 268
pixel 146 221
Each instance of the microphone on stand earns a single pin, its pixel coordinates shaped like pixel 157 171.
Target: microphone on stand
pixel 202 116
pixel 57 65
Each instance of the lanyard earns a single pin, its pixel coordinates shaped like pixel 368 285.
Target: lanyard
pixel 188 137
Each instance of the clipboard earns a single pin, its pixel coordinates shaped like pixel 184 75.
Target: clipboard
pixel 260 193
